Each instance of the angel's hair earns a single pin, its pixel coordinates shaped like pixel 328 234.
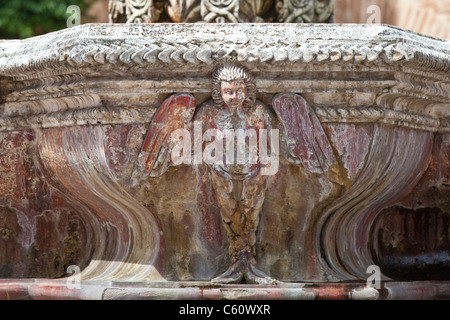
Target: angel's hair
pixel 228 73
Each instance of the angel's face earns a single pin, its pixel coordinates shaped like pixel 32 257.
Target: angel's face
pixel 233 93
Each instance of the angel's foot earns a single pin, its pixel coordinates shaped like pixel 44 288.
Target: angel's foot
pixel 255 276
pixel 234 274
pixel 245 269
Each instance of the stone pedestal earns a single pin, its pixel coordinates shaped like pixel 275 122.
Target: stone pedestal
pixel 76 106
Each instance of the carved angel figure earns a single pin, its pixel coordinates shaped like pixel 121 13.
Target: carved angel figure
pixel 241 175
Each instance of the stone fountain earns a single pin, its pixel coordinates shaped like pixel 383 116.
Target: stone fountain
pixel 355 202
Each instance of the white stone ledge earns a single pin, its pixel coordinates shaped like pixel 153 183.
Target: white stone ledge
pixel 160 44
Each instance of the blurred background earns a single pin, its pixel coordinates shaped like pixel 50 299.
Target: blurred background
pixel 27 18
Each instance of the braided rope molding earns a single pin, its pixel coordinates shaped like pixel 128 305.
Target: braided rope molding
pixel 172 53
pixel 80 117
pixel 139 55
pixel 377 114
pixel 45 106
pixel 67 51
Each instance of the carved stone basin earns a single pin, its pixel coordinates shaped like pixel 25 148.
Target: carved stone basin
pixel 77 105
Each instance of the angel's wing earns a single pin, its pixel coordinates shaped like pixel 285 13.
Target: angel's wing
pixel 306 140
pixel 176 112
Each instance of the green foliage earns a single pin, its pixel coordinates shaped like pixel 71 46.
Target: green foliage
pixel 27 18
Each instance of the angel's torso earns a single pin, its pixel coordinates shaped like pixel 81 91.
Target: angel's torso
pixel 248 123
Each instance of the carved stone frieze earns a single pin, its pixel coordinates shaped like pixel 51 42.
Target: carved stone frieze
pixel 135 11
pixel 256 10
pixel 220 11
pixel 87 151
pixel 234 10
pixel 183 10
pixel 305 11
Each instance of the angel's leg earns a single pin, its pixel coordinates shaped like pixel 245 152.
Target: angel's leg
pixel 251 206
pixel 227 193
pixel 240 200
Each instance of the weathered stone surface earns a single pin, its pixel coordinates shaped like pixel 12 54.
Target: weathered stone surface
pixel 77 106
pixel 411 238
pixel 41 232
